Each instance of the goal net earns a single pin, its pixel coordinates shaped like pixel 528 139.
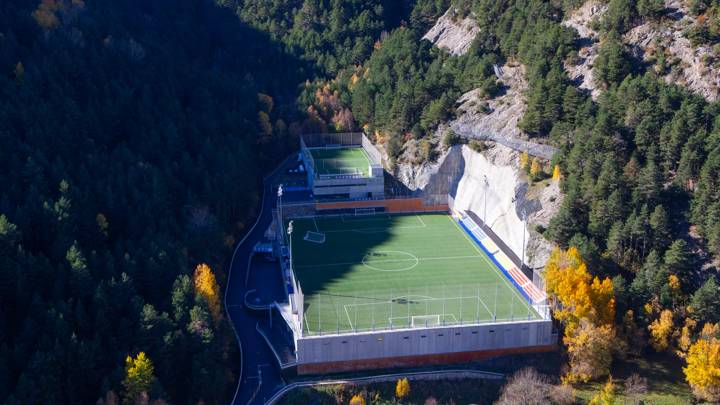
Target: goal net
pixel 315 237
pixel 425 320
pixel 364 211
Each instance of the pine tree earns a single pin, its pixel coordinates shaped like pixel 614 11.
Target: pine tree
pixel 705 302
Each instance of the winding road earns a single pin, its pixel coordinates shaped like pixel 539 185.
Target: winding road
pixel 260 375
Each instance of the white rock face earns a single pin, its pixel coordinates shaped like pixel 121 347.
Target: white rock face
pixel 451 33
pixel 581 20
pixel 691 67
pixel 461 172
pixel 508 199
pixel 499 115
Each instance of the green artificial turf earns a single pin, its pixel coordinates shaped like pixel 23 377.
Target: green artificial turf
pixel 374 272
pixel 341 161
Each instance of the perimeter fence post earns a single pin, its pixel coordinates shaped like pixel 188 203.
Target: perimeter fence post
pixel 512 307
pixel 477 310
pixel 462 298
pixel 354 327
pixel 372 319
pixel 443 309
pixel 407 304
pixel 495 305
pixel 391 309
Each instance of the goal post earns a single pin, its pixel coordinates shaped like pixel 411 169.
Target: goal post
pixel 421 321
pixel 314 237
pixel 364 211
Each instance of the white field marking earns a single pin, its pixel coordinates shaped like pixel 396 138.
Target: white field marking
pixel 421 221
pixel 382 216
pixel 428 299
pixel 308 266
pixel 352 327
pixel 317 229
pixel 307 325
pixel 455 320
pixel 412 258
pixel 486 308
pixel 492 265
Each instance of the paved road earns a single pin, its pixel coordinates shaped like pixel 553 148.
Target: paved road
pixel 258 363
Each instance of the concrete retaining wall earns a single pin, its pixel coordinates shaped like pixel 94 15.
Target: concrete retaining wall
pixel 403 346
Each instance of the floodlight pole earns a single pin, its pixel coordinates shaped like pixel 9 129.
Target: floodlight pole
pixel 485 209
pixel 522 259
pixel 290 231
pixel 279 205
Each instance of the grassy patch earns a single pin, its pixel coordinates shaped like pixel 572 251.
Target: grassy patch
pixel 666 381
pixel 380 271
pixel 462 391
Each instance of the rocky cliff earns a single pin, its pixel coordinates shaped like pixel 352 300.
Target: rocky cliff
pixel 693 67
pixel 492 185
pixel 453 33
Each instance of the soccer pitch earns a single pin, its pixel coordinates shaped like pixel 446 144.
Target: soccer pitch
pixel 398 271
pixel 341 161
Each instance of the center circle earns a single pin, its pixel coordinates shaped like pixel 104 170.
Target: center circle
pixel 390 260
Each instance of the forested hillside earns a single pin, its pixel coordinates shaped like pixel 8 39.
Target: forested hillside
pixel 639 165
pixel 133 140
pixel 134 135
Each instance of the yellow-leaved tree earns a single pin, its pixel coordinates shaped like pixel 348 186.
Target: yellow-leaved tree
pixel 207 287
pixel 661 330
pixel 402 388
pixel 606 396
pixel 586 307
pixel 590 349
pixel 357 399
pixel 703 364
pixel 575 293
pixel 535 167
pixel 139 377
pixel 524 160
pixel 556 173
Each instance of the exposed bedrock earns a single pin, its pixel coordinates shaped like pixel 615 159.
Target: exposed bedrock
pixel 493 186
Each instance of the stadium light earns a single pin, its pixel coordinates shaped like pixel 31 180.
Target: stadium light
pixel 280 191
pixel 290 228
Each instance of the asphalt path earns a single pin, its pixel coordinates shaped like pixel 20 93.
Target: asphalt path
pixel 260 375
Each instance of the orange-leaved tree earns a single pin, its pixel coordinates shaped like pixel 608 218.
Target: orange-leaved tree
pixel 586 307
pixel 207 287
pixel 575 293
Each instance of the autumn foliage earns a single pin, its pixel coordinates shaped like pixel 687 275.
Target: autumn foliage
pixel 575 293
pixel 206 286
pixel 139 377
pixel 402 388
pixel 703 364
pixel 586 307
